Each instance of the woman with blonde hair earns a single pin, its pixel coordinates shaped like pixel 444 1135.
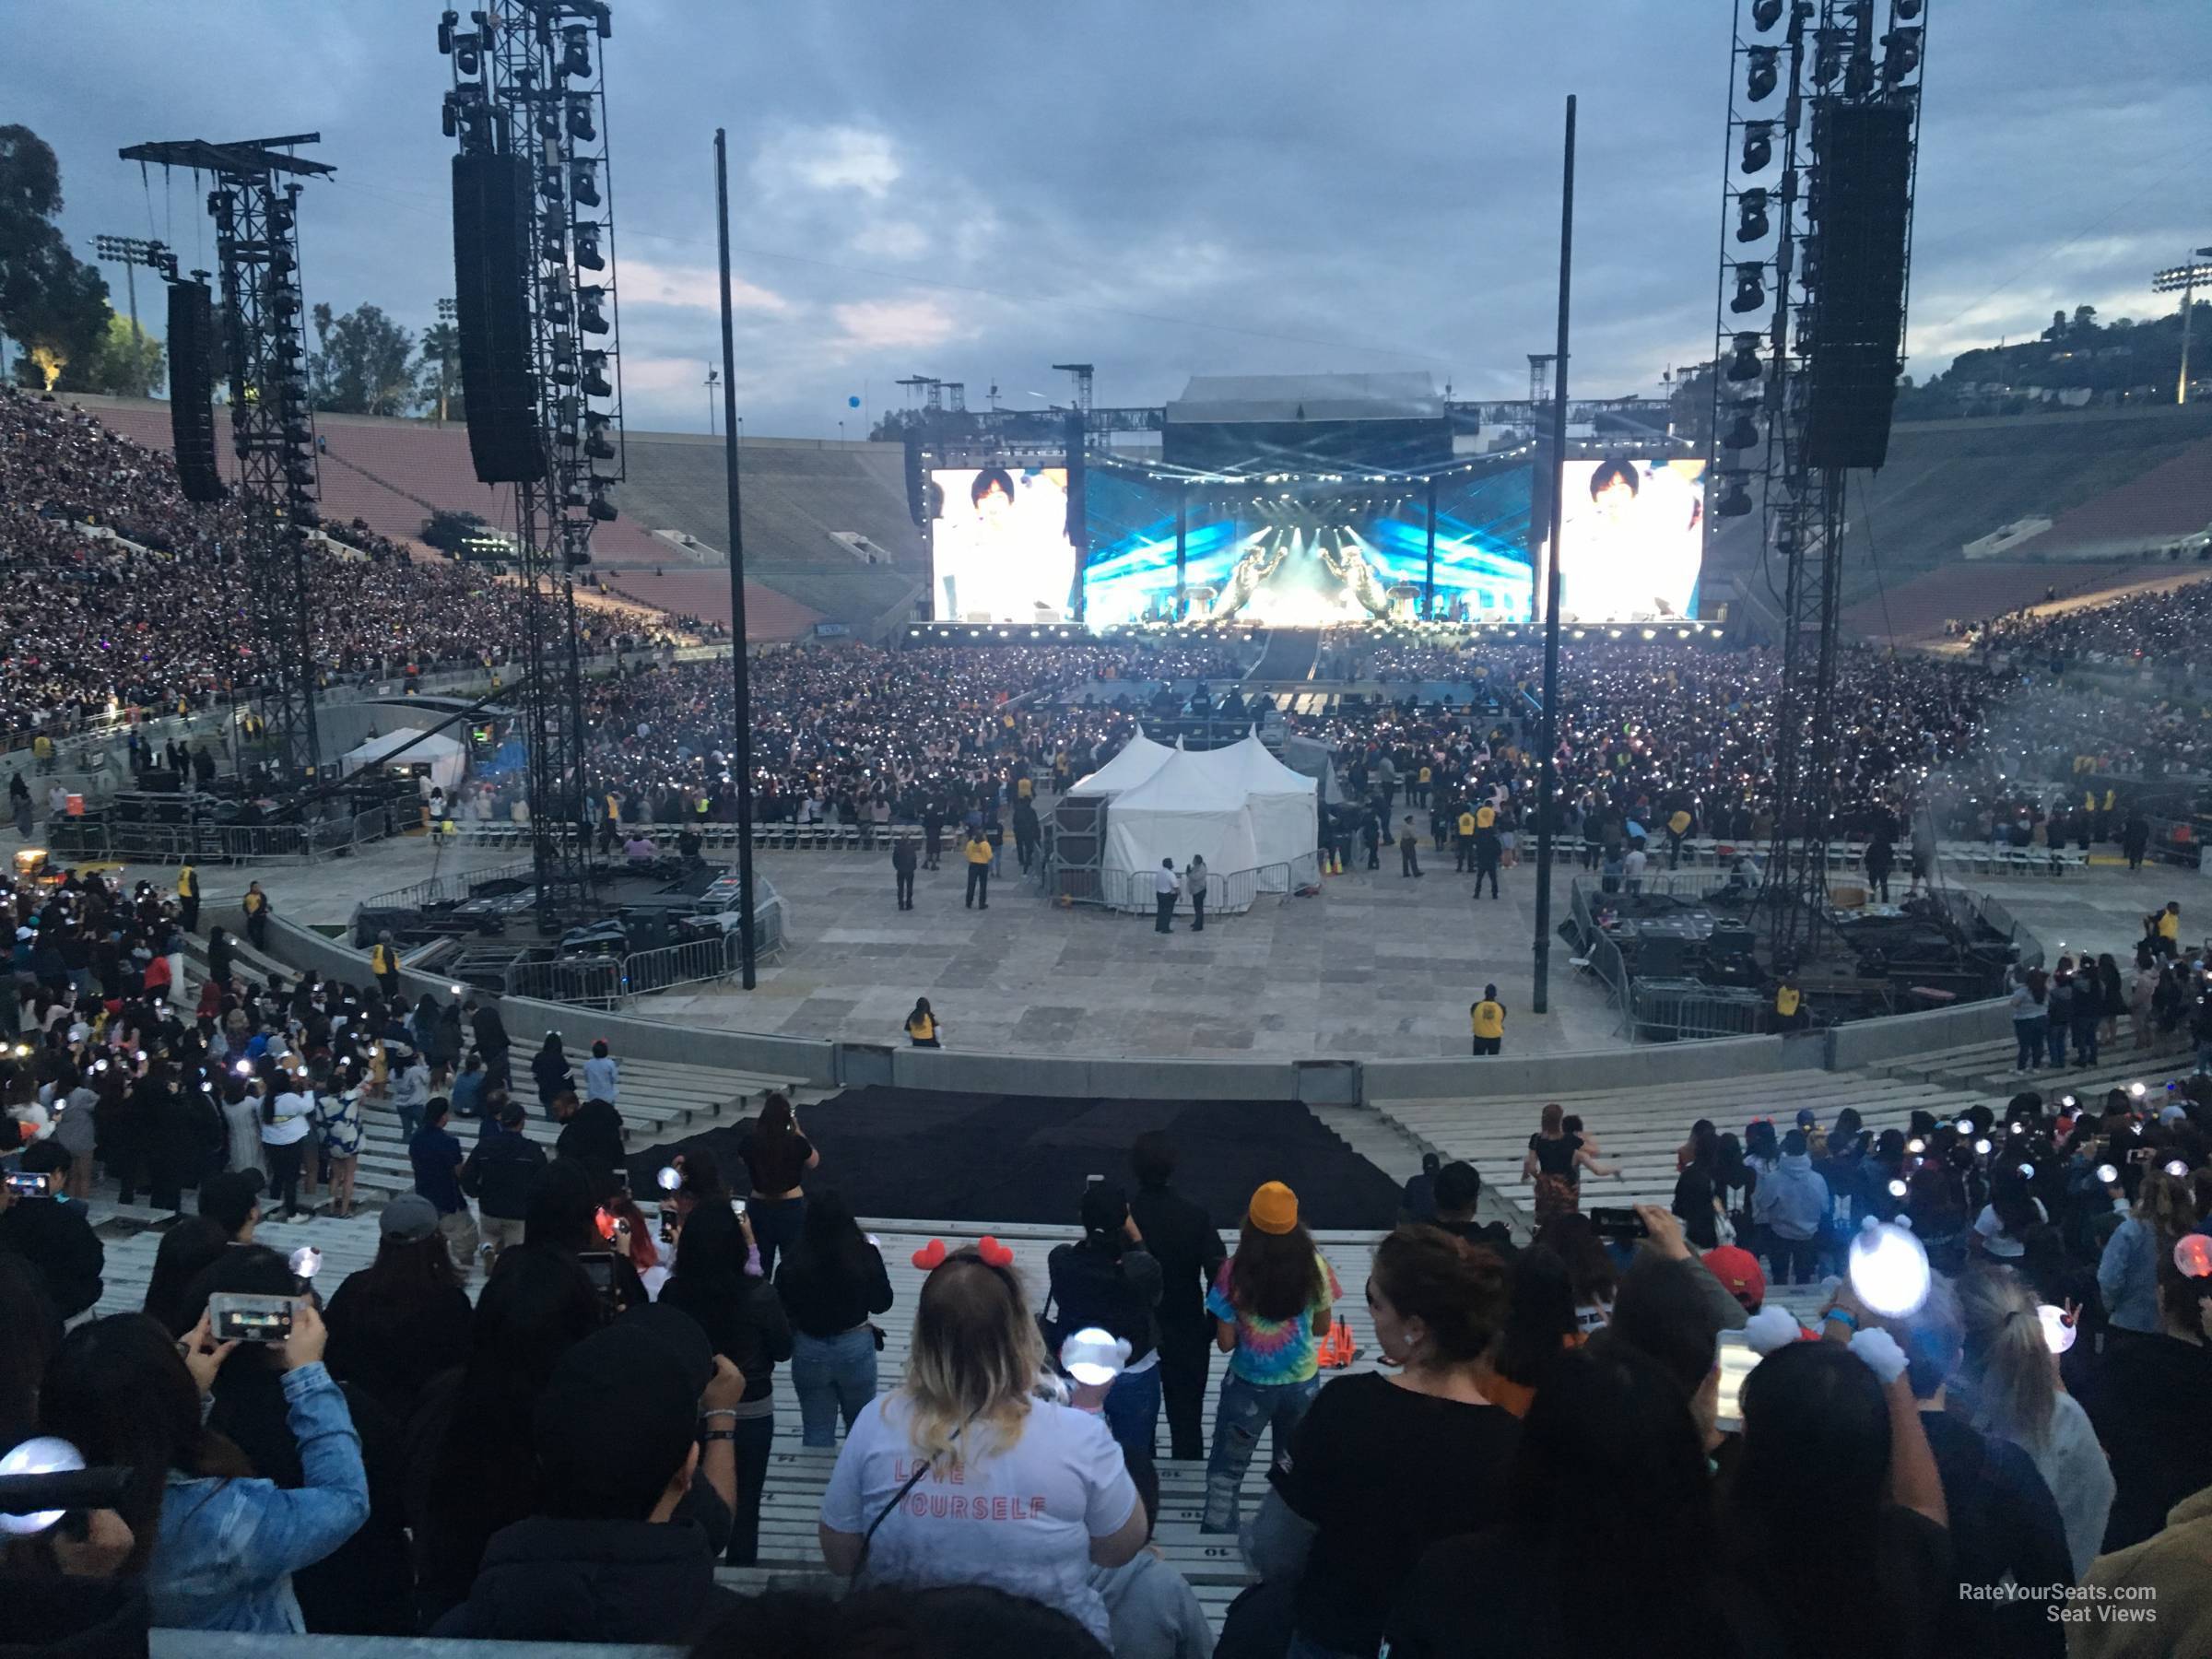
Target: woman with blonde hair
pixel 2008 1384
pixel 964 1475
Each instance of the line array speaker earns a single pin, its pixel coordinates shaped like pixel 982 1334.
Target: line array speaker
pixel 493 312
pixel 1865 153
pixel 192 390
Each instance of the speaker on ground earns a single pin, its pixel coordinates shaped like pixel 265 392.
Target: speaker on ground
pixel 491 309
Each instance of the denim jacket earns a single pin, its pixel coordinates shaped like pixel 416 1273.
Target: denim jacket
pixel 225 1550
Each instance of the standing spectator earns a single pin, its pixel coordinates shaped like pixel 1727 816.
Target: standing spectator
pixel 1490 851
pixel 1108 1280
pixel 256 906
pixel 498 1174
pixel 1182 1239
pixel 1487 1018
pixel 2029 1009
pixel 52 1234
pixel 123 1392
pixel 719 1286
pixel 2010 1390
pixel 383 964
pixel 1165 885
pixel 407 1085
pixel 904 861
pixel 831 1279
pixel 778 1157
pixel 549 1068
pixel 590 1134
pixel 2139 1250
pixel 404 1319
pixel 1608 1466
pixel 287 1120
pixel 339 1113
pixel 603 1076
pixel 977 852
pixel 1388 1463
pixel 1790 1206
pixel 1554 1162
pixel 492 1043
pixel 1272 1302
pixel 966 1414
pixel 435 1158
pixel 1409 849
pixel 1195 879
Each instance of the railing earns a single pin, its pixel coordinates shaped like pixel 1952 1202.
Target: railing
pixel 1227 893
pixel 608 981
pixel 1675 1010
pixel 211 841
pixel 447 890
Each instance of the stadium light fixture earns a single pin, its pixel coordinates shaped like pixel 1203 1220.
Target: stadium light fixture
pixel 1760 74
pixel 1759 146
pixel 1900 54
pixel 1751 223
pixel 1750 289
pixel 1744 364
pixel 1765 13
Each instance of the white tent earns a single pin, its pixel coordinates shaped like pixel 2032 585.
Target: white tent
pixel 1254 831
pixel 1285 813
pixel 1136 761
pixel 445 757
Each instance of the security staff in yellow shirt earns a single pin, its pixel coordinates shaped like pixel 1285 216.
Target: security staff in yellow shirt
pixel 383 962
pixel 1488 1017
pixel 1465 840
pixel 1790 1012
pixel 1678 826
pixel 978 851
pixel 188 897
pixel 2169 929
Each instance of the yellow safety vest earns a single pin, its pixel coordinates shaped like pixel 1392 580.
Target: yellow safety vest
pixel 1485 817
pixel 382 960
pixel 1787 1001
pixel 2170 926
pixel 188 882
pixel 1679 823
pixel 978 851
pixel 1490 1019
pixel 1466 823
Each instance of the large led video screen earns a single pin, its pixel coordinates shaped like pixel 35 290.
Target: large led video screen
pixel 999 550
pixel 1634 540
pixel 1309 554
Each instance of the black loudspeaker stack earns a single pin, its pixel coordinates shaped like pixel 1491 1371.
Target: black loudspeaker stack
pixel 1866 154
pixel 192 390
pixel 491 309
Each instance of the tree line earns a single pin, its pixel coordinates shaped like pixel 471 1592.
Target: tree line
pixel 58 312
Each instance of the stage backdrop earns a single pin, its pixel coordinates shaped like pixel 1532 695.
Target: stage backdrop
pixel 1308 553
pixel 999 550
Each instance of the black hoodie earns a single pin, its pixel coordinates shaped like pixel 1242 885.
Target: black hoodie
pixel 544 1580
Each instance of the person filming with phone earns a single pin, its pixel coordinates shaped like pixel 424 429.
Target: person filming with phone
pixel 122 1391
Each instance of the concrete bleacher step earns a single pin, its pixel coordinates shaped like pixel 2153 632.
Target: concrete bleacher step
pixel 1987 1068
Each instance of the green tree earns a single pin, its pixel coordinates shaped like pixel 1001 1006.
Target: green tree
pixel 51 304
pixel 361 365
pixel 128 363
pixel 439 373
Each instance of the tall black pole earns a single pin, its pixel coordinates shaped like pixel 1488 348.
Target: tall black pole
pixel 1547 776
pixel 740 670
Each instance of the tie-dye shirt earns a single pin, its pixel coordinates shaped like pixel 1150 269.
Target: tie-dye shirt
pixel 1274 1351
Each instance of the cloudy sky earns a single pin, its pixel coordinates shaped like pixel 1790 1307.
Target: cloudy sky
pixel 980 190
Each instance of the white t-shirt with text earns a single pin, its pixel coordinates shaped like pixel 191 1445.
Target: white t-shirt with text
pixel 1020 1519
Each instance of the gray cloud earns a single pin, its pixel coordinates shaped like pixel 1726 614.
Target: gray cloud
pixel 979 192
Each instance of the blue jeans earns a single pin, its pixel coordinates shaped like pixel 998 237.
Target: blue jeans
pixel 410 1121
pixel 1132 1410
pixel 2055 1035
pixel 1243 1410
pixel 2085 1042
pixel 2031 1033
pixel 834 1376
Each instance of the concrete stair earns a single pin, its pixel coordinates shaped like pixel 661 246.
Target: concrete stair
pixel 1987 1068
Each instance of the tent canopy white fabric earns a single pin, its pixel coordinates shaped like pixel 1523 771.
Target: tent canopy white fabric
pixel 1135 762
pixel 445 757
pixel 1239 809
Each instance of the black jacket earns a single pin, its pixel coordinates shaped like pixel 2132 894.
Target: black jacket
pixel 53 1236
pixel 594 1136
pixel 591 1581
pixel 492 1034
pixel 498 1173
pixel 1117 1294
pixel 1181 1238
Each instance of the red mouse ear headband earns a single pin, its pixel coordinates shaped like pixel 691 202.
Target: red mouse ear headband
pixel 988 1250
